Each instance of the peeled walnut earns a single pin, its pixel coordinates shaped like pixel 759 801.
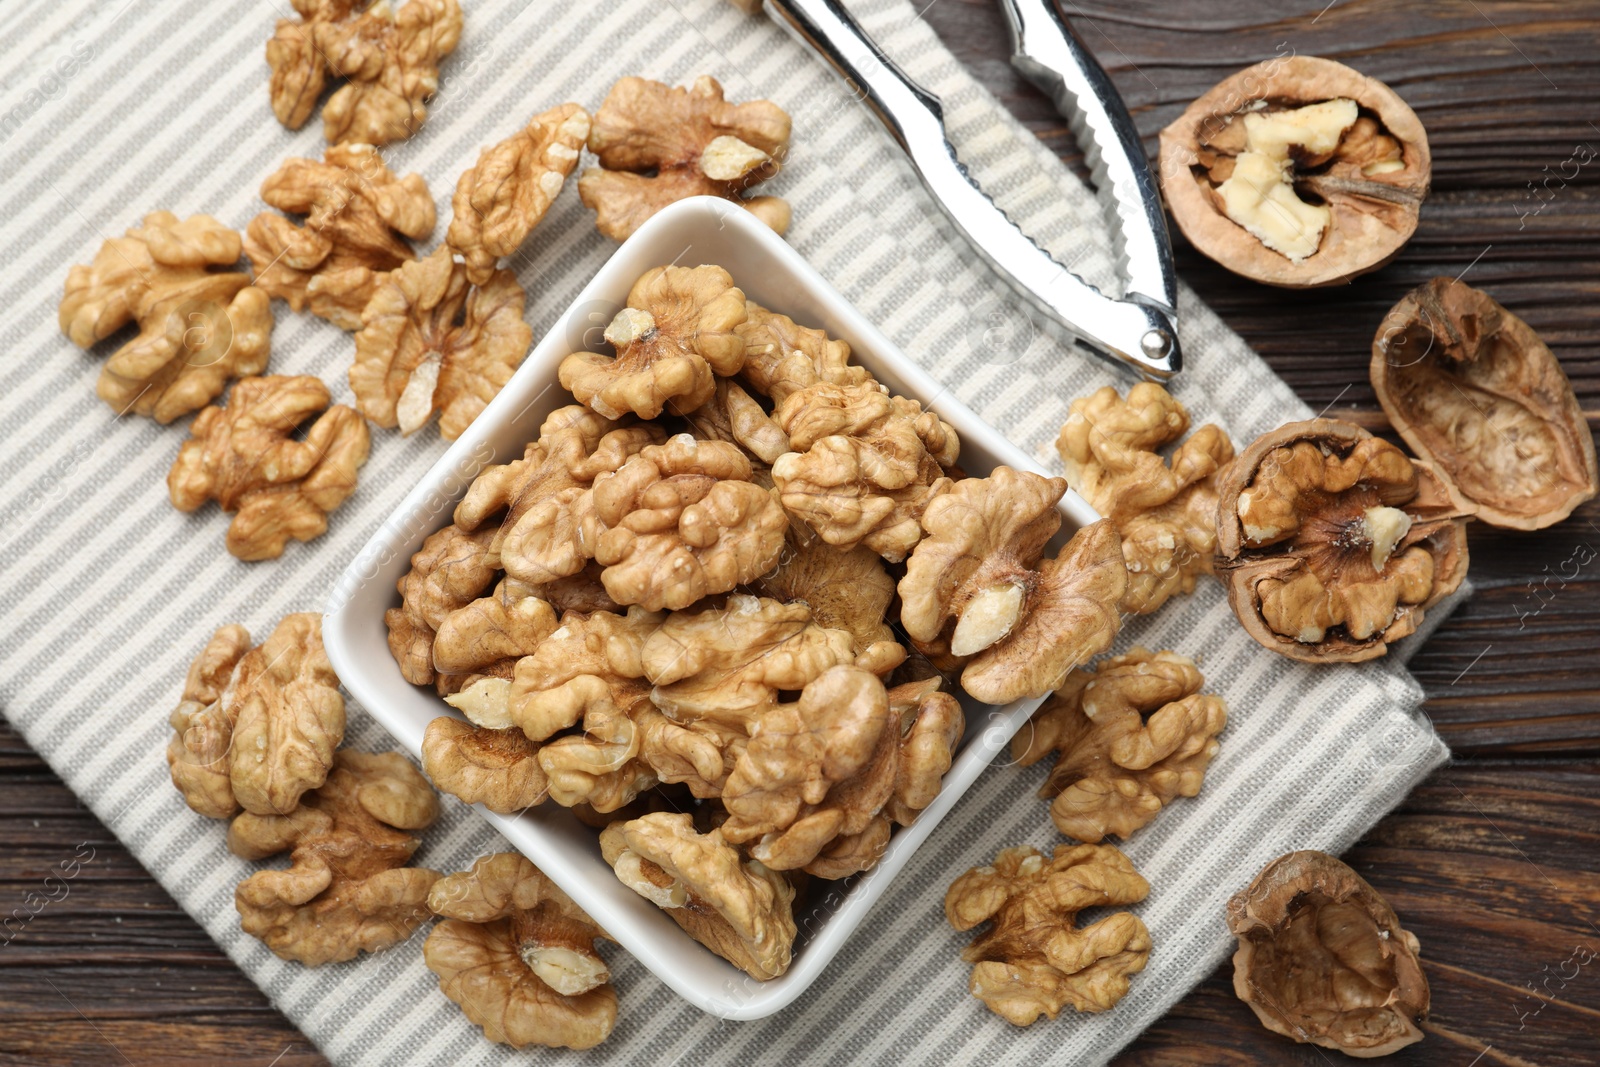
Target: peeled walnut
pixel 814 770
pixel 1474 391
pixel 675 335
pixel 697 754
pixel 1323 959
pixel 658 145
pixel 729 663
pixel 357 214
pixel 580 592
pixel 683 521
pixel 1033 960
pixel 1128 737
pixel 587 660
pixel 518 956
pixel 736 908
pixel 197 327
pixel 257 727
pixel 1023 620
pixel 347 889
pixel 601 767
pixel 1297 172
pixel 506 625
pixel 499 201
pixel 1333 542
pixel 865 464
pixel 198 756
pixel 496 768
pixel 847 590
pixel 548 529
pixel 430 342
pixel 1166 510
pixel 249 458
pixel 781 356
pixel 929 724
pixel 390 58
pixel 449 571
pixel 977 563
pixel 734 416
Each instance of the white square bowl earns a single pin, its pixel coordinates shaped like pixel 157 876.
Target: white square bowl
pixel 700 230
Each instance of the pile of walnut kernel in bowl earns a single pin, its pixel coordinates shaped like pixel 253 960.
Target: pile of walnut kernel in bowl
pixel 675 612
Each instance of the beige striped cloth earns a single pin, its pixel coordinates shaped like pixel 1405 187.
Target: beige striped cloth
pixel 119 107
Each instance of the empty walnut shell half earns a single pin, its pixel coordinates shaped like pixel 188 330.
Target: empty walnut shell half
pixel 1333 543
pixel 1297 172
pixel 1474 391
pixel 1322 958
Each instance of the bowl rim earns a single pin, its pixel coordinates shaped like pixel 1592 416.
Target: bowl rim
pixel 639 927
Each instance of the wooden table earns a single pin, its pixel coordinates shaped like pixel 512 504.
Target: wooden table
pixel 1494 862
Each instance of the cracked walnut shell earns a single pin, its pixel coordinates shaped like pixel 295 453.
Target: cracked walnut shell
pixel 1323 959
pixel 737 908
pixel 1333 542
pixel 1165 510
pixel 1297 172
pixel 683 521
pixel 248 459
pixel 518 956
pixel 1033 960
pixel 499 201
pixel 357 214
pixel 675 335
pixel 389 57
pixel 1476 392
pixel 257 727
pixel 1129 737
pixel 348 888
pixel 865 464
pixel 430 341
pixel 197 327
pixel 658 145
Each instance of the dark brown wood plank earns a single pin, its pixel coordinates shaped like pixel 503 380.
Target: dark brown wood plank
pixel 107 969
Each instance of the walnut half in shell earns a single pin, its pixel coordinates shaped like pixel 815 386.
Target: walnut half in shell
pixel 1297 172
pixel 1474 391
pixel 1333 542
pixel 1322 958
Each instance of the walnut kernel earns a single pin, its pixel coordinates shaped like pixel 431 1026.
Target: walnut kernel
pixel 658 145
pixel 1033 960
pixel 197 327
pixel 247 458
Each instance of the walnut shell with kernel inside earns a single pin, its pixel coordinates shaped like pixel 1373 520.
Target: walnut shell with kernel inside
pixel 1333 543
pixel 1297 172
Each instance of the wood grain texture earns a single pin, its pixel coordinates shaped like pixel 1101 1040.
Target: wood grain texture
pixel 1494 863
